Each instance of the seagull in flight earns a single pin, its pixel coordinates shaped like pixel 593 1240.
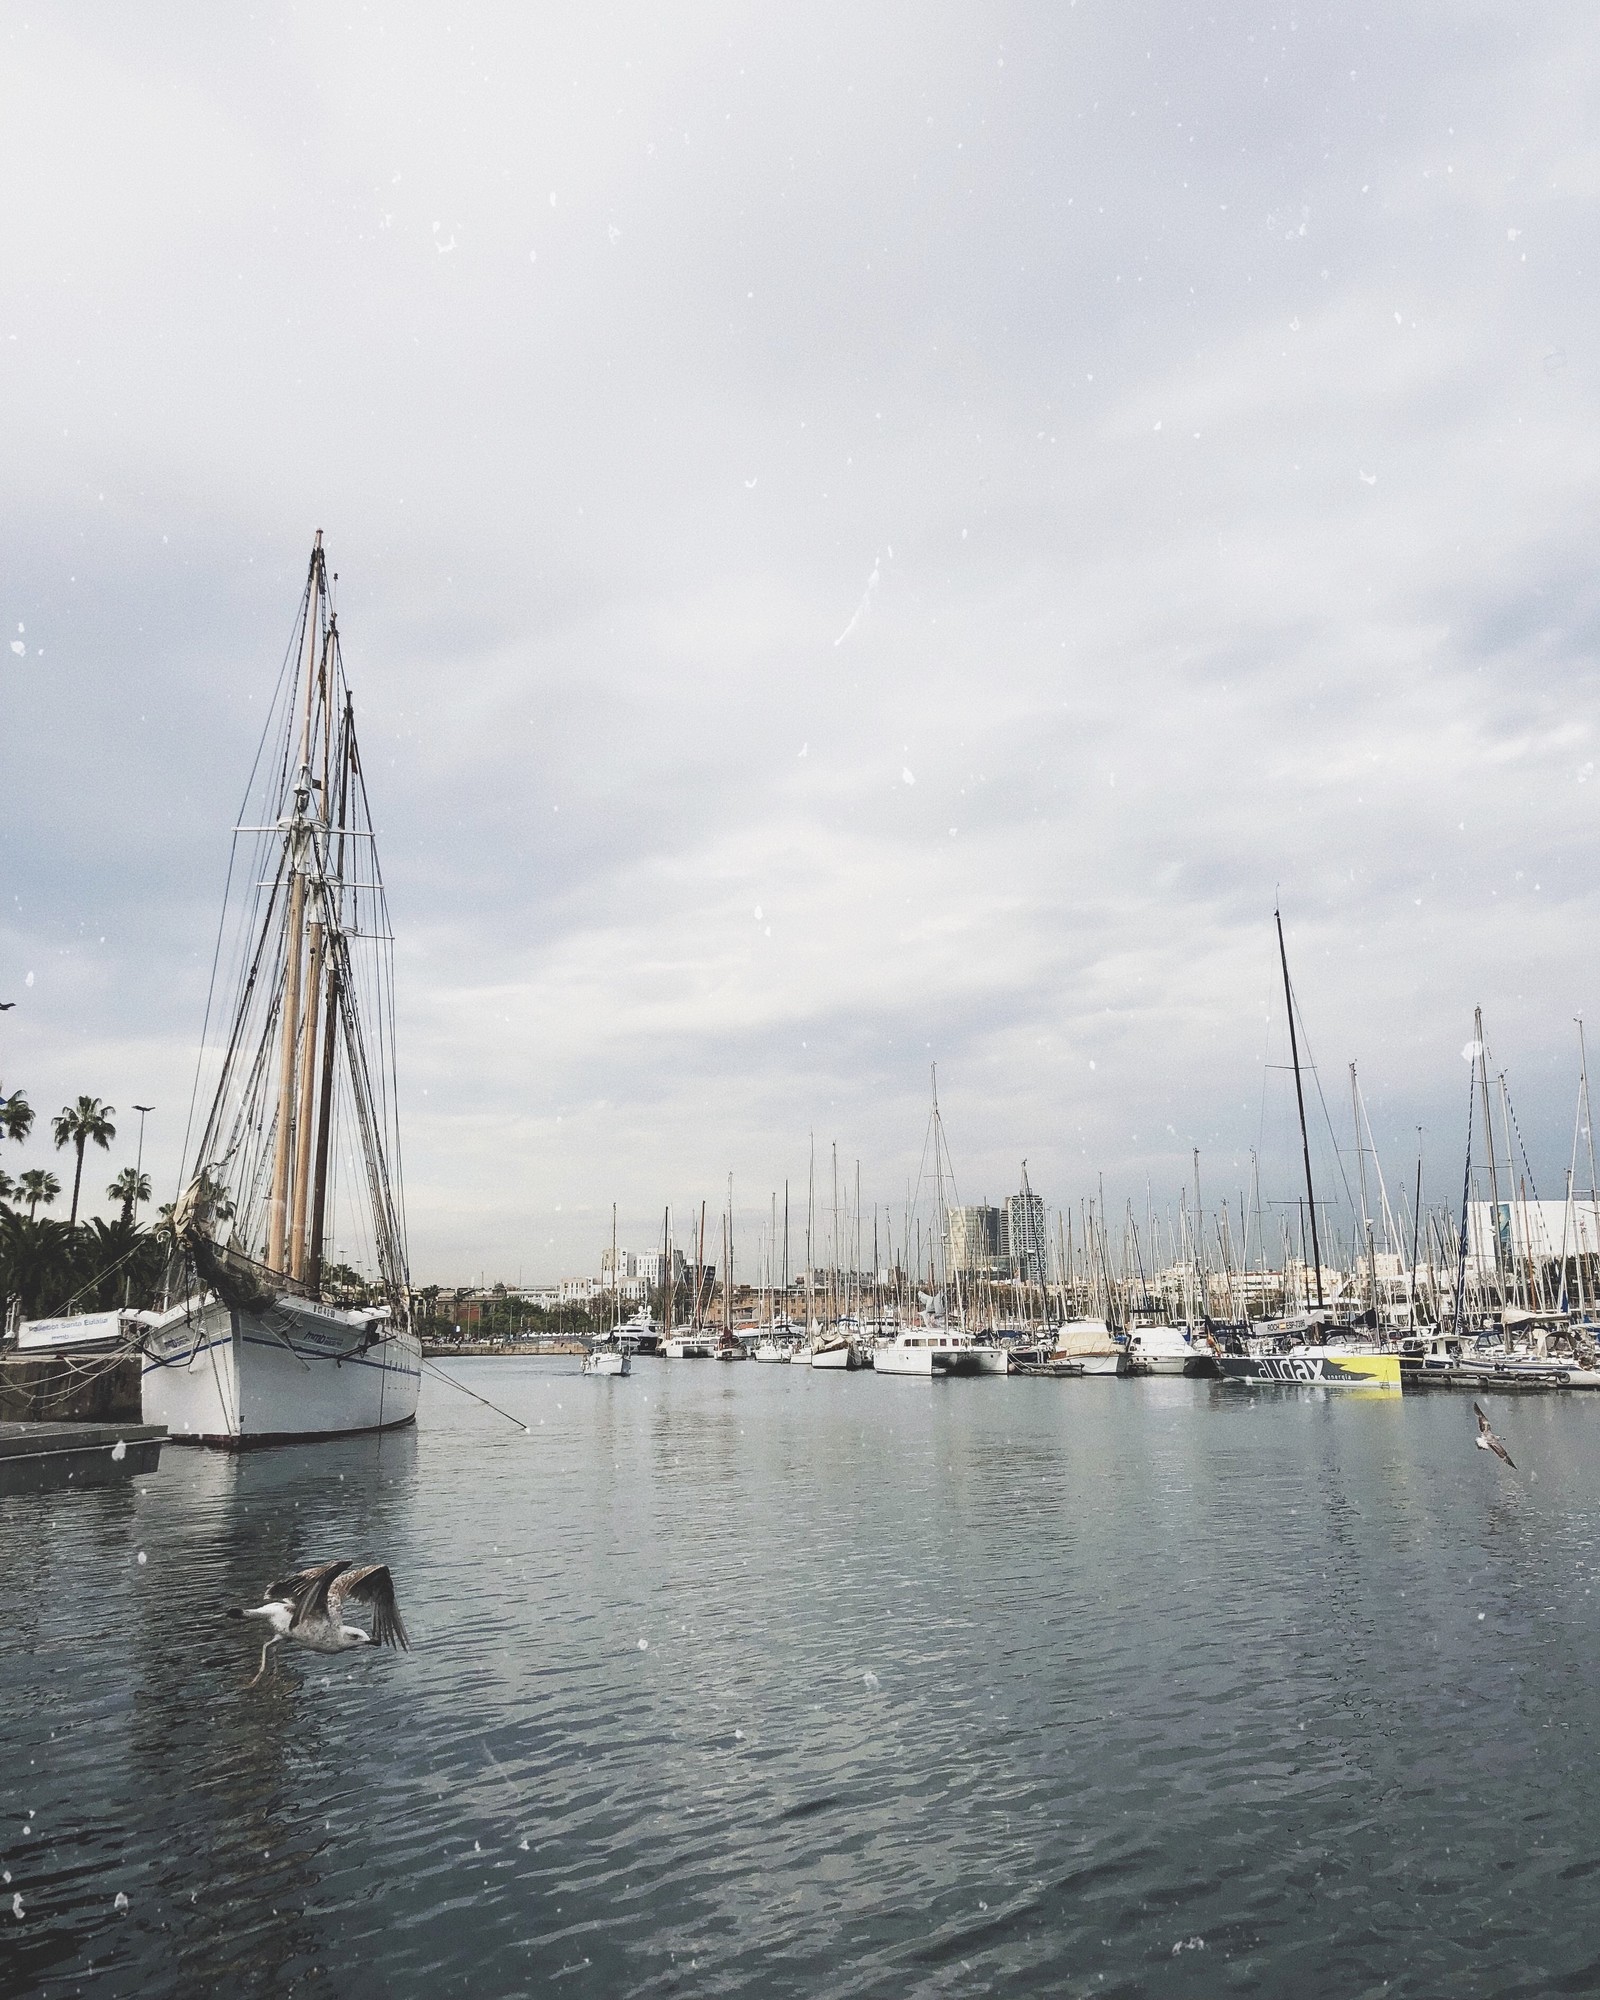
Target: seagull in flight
pixel 1487 1441
pixel 308 1610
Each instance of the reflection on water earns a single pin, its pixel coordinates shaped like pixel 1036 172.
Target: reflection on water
pixel 730 1679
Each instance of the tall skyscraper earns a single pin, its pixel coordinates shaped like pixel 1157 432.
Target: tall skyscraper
pixel 1027 1243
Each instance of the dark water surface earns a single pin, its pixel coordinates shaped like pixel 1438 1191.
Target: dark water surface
pixel 761 1680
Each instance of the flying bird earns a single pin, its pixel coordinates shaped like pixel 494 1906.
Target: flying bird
pixel 1487 1441
pixel 308 1610
pixel 6 1006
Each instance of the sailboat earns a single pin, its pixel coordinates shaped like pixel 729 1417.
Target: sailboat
pixel 608 1356
pixel 273 1335
pixel 1308 1356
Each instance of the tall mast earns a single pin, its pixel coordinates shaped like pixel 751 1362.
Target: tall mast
pixel 700 1268
pixel 858 1242
pixel 1488 1137
pixel 283 1145
pixel 1300 1102
pixel 811 1216
pixel 319 1192
pixel 1361 1175
pixel 668 1276
pixel 317 844
pixel 1588 1126
pixel 833 1245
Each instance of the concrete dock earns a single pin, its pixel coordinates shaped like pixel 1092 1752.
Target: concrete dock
pixel 37 1458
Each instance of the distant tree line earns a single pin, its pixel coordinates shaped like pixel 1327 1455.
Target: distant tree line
pixel 445 1313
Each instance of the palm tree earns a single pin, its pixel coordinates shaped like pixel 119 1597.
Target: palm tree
pixel 36 1186
pixel 16 1116
pixel 76 1126
pixel 130 1188
pixel 8 1187
pixel 35 1264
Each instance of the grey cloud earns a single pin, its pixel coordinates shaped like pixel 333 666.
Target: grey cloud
pixel 931 279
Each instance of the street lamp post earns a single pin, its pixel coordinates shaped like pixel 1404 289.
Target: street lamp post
pixel 141 1109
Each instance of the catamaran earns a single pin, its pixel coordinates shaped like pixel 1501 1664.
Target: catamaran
pixel 274 1334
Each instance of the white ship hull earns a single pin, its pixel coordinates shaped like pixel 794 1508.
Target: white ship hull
pixel 219 1376
pixel 1101 1364
pixel 904 1359
pixel 1090 1341
pixel 607 1361
pixel 1167 1350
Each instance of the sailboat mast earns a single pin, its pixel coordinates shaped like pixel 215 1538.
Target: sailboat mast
pixel 668 1276
pixel 1300 1102
pixel 1488 1139
pixel 283 1145
pixel 316 843
pixel 811 1223
pixel 319 1190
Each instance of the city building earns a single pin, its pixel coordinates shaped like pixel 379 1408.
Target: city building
pixel 1027 1245
pixel 977 1244
pixel 637 1274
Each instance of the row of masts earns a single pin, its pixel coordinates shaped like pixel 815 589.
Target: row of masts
pixel 1203 1272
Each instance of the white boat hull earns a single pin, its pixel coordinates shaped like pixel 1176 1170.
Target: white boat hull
pixel 1100 1364
pixel 219 1376
pixel 834 1357
pixel 927 1361
pixel 610 1362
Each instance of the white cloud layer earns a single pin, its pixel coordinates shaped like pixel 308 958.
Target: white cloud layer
pixel 1223 383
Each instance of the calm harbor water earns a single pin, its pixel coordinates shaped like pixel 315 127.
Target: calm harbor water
pixel 737 1680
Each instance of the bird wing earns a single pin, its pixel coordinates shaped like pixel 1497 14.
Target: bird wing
pixel 288 1589
pixel 308 1592
pixel 375 1586
pixel 1500 1451
pixel 1483 1422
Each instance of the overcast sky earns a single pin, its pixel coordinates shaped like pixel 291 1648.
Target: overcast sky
pixel 866 536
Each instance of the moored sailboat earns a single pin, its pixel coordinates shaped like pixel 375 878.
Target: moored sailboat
pixel 272 1337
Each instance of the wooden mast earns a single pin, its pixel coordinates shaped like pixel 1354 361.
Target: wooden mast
pixel 330 1035
pixel 304 1120
pixel 282 1159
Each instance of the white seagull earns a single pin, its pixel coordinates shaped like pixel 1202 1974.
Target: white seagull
pixel 308 1609
pixel 1487 1441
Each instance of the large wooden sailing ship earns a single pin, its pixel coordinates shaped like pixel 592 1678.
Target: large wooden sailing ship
pixel 291 1313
